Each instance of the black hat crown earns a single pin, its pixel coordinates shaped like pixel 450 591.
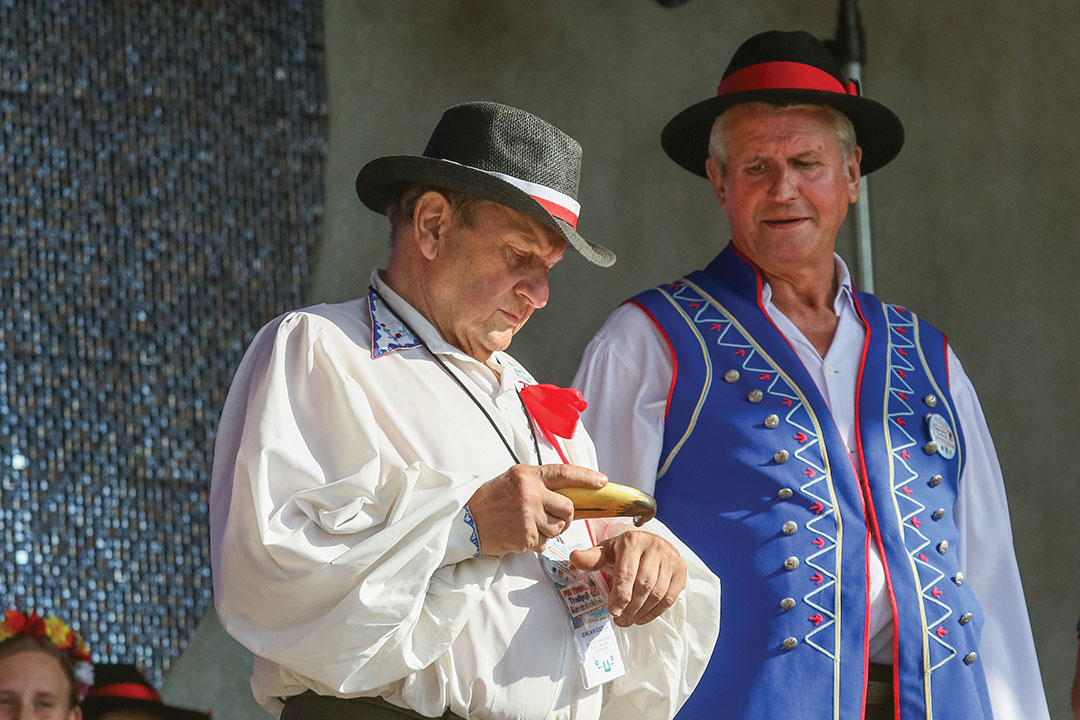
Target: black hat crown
pixel 502 139
pixel 797 46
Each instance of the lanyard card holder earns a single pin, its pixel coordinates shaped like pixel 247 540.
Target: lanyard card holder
pixel 584 595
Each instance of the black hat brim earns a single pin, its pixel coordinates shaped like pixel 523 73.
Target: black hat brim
pixel 94 707
pixel 878 131
pixel 379 182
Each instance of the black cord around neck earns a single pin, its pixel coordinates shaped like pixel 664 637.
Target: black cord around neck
pixel 461 384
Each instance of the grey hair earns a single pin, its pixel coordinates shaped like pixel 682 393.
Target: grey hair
pixel 845 131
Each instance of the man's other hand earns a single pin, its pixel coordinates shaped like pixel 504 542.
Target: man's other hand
pixel 520 510
pixel 647 574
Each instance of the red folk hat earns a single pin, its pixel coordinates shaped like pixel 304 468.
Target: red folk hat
pixel 781 68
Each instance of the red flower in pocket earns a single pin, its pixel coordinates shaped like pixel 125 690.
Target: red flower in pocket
pixel 555 410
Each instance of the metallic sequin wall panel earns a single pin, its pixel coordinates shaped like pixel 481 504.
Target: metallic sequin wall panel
pixel 160 184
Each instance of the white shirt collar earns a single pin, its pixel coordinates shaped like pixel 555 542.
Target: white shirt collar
pixel 391 330
pixel 844 298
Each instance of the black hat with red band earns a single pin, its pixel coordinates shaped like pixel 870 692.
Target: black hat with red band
pixel 120 687
pixel 783 68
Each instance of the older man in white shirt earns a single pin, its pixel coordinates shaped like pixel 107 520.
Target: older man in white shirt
pixel 388 539
pixel 823 451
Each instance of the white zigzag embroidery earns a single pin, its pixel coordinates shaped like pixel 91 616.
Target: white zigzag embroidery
pixel 901 325
pixel 753 362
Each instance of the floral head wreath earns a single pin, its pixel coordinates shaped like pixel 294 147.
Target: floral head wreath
pixel 60 635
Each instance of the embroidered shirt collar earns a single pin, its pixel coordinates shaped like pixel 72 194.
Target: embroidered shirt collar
pixel 843 299
pixel 389 332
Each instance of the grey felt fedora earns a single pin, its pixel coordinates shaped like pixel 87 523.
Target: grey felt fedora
pixel 497 153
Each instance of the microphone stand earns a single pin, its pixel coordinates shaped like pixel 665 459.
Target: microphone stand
pixel 849 49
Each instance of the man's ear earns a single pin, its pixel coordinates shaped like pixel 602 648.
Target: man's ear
pixel 854 174
pixel 432 217
pixel 716 175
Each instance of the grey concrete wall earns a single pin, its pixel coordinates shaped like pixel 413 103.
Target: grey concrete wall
pixel 974 224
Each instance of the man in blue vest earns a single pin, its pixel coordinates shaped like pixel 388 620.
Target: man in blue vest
pixel 821 450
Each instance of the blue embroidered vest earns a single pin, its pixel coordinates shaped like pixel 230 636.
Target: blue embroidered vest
pixel 755 477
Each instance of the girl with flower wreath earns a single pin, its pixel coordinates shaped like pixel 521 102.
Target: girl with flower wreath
pixel 45 668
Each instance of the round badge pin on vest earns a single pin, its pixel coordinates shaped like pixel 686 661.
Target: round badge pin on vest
pixel 941 435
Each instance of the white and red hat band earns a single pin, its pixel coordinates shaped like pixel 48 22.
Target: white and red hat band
pixel 559 204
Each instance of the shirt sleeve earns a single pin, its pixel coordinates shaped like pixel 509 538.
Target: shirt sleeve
pixel 331 557
pixel 988 560
pixel 625 376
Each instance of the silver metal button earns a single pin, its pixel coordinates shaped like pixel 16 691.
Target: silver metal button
pixel 785 494
pixel 938 514
pixel 970 658
pixel 943 547
pixel 781 457
pixel 790 527
pixel 771 421
pixel 755 396
pixel 930 400
pixel 935 481
pixel 791 563
pixel 787 604
pixel 958 578
pixel 965 618
pixel 930 448
pixel 790 643
pixel 732 375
